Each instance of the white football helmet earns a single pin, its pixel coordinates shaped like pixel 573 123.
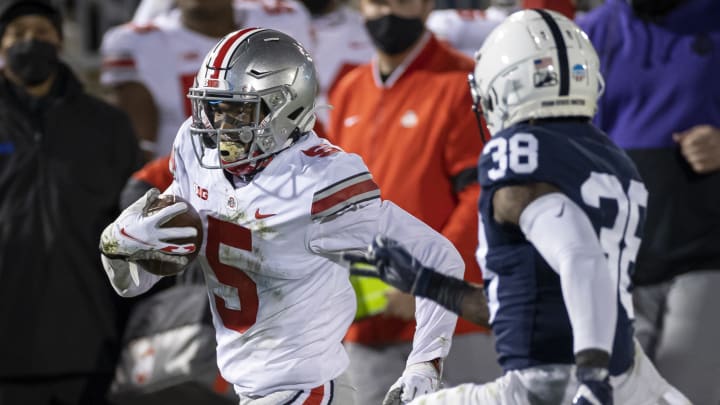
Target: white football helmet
pixel 253 97
pixel 536 64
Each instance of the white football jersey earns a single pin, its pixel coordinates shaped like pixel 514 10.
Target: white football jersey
pixel 466 30
pixel 146 10
pixel 281 299
pixel 288 16
pixel 165 56
pixel 340 44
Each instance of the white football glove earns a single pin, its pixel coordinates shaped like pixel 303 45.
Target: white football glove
pixel 136 237
pixel 417 379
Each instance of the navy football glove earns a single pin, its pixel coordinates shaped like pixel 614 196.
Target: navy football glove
pixel 595 388
pixel 396 265
pixel 392 263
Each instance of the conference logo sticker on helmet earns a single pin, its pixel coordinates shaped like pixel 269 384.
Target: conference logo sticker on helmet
pixel 579 72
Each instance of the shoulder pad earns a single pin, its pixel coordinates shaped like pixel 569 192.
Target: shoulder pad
pixel 345 182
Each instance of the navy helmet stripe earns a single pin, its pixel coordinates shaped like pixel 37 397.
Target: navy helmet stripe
pixel 561 51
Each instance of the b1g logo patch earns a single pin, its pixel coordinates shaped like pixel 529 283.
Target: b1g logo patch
pixel 201 192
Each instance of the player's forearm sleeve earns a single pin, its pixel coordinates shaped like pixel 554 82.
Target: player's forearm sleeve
pixel 445 290
pixel 355 229
pixel 564 236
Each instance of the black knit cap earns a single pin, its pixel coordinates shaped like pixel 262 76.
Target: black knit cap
pixel 12 9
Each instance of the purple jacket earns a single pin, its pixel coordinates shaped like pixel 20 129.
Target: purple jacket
pixel 663 77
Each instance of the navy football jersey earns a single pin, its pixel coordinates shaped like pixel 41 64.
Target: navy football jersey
pixel 527 309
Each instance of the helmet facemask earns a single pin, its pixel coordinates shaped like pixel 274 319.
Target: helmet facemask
pixel 239 126
pixel 479 107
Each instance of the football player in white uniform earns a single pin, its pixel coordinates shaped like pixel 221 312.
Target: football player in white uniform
pixel 150 67
pixel 562 212
pixel 279 205
pixel 340 43
pixel 146 10
pixel 466 29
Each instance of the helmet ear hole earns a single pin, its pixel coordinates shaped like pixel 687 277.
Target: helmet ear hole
pixel 293 115
pixel 488 104
pixel 209 141
pixel 264 109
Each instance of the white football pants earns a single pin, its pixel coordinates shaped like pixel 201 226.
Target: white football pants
pixel 336 392
pixel 556 384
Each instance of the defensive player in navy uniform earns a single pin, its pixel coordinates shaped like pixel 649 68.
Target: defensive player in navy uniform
pixel 561 213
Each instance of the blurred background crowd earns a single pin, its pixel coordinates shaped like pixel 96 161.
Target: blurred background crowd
pixel 85 22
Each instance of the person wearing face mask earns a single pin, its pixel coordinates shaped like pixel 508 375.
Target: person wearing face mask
pixel 660 60
pixel 408 114
pixel 64 157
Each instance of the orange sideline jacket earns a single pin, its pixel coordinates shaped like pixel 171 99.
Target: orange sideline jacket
pixel 420 139
pixel 156 173
pixel 566 7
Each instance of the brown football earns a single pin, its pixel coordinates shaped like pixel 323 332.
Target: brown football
pixel 187 218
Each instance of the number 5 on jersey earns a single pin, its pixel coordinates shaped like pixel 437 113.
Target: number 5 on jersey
pixel 236 298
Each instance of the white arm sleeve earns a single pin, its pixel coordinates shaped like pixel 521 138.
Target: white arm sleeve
pixel 355 229
pixel 566 239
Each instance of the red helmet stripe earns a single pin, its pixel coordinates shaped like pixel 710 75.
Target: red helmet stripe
pixel 228 45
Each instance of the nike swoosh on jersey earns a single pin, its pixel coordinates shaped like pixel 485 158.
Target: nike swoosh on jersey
pixel 258 215
pixel 562 210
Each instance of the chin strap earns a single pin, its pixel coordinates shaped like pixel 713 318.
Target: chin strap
pixel 261 165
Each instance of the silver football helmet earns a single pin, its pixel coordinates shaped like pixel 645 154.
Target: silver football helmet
pixel 536 64
pixel 253 97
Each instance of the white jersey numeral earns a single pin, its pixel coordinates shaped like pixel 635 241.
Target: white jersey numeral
pixel 620 241
pixel 520 153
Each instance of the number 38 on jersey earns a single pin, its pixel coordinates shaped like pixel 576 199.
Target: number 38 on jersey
pixel 519 153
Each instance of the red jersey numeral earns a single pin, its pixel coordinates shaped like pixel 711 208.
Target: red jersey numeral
pixel 187 81
pixel 471 14
pixel 234 235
